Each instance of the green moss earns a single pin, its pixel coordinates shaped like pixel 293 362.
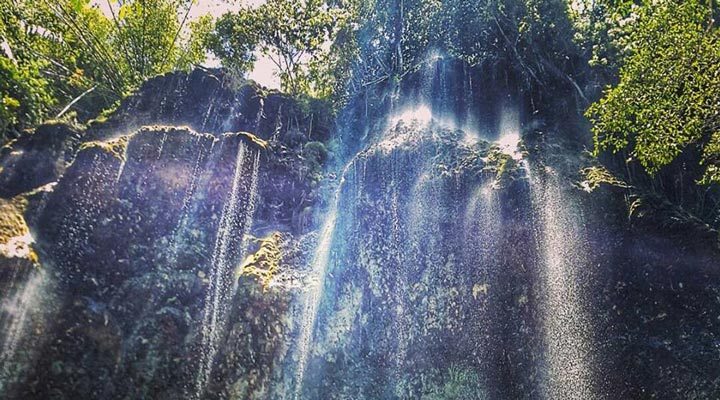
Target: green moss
pixel 314 156
pixel 12 222
pixel 500 163
pixel 256 140
pixel 105 114
pixel 315 150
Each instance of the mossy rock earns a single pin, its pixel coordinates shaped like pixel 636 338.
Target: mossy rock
pixel 115 148
pixel 37 157
pixel 16 250
pixel 264 263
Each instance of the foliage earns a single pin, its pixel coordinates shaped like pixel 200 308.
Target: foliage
pixel 63 53
pixel 669 90
pixel 391 39
pixel 233 40
pixel 24 96
pixel 530 41
pixel 146 33
pixel 596 176
pixel 532 36
pixel 37 67
pixel 294 35
pixel 603 30
pixel 292 31
pixel 318 47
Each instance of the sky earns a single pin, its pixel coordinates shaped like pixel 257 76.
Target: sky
pixel 264 72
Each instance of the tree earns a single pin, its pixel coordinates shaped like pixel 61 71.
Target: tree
pixel 234 39
pixel 24 98
pixel 40 62
pixel 60 54
pixel 294 35
pixel 149 35
pixel 668 94
pixel 393 39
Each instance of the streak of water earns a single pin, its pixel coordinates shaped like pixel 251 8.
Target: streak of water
pixel 206 117
pixel 564 253
pixel 482 232
pixel 123 161
pixel 161 147
pixel 314 293
pixel 221 266
pixel 249 210
pixel 16 315
pixel 509 131
pixel 483 221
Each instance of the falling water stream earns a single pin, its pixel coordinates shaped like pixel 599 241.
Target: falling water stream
pixel 566 325
pixel 188 196
pixel 449 259
pixel 17 311
pixel 234 223
pixel 567 370
pixel 313 295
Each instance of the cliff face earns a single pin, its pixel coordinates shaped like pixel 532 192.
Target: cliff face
pixel 429 274
pixel 135 230
pixel 164 253
pixel 136 233
pixel 211 101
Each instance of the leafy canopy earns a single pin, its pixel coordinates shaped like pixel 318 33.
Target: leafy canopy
pixel 294 35
pixel 668 97
pixel 57 53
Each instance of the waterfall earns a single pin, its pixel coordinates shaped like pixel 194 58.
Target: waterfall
pixel 121 169
pixel 313 295
pixel 483 221
pixel 483 229
pixel 233 221
pixel 565 320
pixel 483 224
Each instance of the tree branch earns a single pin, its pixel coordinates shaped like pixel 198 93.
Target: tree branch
pixel 75 100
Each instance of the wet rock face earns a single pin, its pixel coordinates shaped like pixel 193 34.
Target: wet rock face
pixel 455 270
pixel 661 305
pixel 139 235
pixel 133 229
pixel 652 285
pixel 415 292
pixel 212 101
pixel 441 284
pixel 36 158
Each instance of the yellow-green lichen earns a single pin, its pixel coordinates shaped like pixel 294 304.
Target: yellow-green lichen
pixel 500 163
pixel 263 144
pixel 263 264
pixel 15 238
pixel 116 147
pixel 595 176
